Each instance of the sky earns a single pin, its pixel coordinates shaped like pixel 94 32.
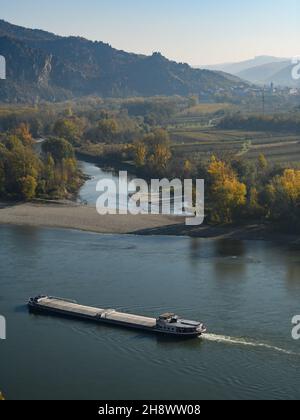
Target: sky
pixel 198 32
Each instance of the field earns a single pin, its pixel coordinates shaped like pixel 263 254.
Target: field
pixel 195 136
pixel 201 143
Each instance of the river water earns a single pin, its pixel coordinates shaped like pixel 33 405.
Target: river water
pixel 88 193
pixel 245 292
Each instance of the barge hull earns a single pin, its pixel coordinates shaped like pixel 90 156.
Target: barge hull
pixel 96 315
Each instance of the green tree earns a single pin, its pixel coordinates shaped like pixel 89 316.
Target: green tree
pixel 49 174
pixel 20 162
pixel 262 162
pixel 58 148
pixel 2 170
pixel 105 131
pixel 70 129
pixel 28 187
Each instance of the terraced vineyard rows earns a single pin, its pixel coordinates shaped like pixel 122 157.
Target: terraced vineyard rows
pixel 200 144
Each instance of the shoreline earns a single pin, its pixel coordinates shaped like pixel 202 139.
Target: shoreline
pixel 68 215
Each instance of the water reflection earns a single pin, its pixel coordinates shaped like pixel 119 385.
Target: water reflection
pixel 291 259
pixel 25 239
pixel 230 262
pixel 293 275
pixel 230 248
pixel 196 251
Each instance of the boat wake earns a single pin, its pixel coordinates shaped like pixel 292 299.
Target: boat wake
pixel 244 342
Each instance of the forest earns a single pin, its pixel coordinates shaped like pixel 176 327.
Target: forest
pixel 25 174
pixel 139 134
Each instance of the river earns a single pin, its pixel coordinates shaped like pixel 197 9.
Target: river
pixel 245 292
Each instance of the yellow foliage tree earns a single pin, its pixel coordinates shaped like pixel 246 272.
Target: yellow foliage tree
pixel 187 168
pixel 284 197
pixel 219 170
pixel 290 182
pixel 227 193
pixel 161 156
pixel 262 162
pixel 23 133
pixel 140 154
pixel 285 188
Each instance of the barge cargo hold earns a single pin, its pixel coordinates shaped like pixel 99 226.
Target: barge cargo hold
pixel 167 324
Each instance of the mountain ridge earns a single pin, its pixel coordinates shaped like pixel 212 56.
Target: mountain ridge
pixel 45 66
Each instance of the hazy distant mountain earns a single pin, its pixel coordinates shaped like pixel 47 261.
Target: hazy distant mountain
pixel 284 77
pixel 41 65
pixel 265 73
pixel 236 68
pixel 262 70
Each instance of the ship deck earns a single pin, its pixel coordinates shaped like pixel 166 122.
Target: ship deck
pixel 105 314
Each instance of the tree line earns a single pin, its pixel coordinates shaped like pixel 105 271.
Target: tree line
pixel 26 174
pixel 273 123
pixel 237 190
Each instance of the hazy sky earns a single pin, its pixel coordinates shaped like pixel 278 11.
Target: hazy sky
pixel 193 31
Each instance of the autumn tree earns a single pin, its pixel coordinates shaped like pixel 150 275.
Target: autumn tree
pixel 283 194
pixel 160 158
pixel 159 151
pixel 187 168
pixel 262 162
pixel 153 153
pixel 140 153
pixel 227 194
pixel 22 132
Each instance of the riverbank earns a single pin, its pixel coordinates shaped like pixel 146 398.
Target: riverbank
pixel 69 215
pixel 72 216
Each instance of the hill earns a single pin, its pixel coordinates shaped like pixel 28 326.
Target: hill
pixel 44 66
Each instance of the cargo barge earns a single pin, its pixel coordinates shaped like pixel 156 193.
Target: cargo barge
pixel 167 324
